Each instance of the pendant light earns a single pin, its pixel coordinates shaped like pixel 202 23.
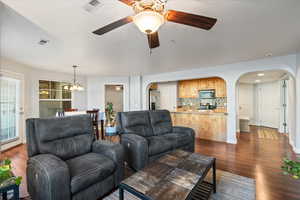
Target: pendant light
pixel 75 86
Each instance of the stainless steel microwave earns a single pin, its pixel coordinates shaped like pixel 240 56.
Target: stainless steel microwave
pixel 207 94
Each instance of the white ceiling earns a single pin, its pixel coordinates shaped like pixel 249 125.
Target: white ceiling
pixel 269 76
pixel 246 30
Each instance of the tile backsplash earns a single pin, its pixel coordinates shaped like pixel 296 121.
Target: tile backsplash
pixel 195 102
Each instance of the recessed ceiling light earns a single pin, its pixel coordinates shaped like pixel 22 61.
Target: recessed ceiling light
pixel 257 81
pixel 118 87
pixel 260 74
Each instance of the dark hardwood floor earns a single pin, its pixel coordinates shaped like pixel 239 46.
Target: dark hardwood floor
pixel 253 156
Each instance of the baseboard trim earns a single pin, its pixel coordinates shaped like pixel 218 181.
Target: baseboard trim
pixel 231 141
pixel 296 150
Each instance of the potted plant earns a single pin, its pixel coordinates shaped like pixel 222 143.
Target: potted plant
pixel 291 167
pixel 6 175
pixel 110 114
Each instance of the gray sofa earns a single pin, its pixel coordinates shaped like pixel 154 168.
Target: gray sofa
pixel 66 163
pixel 148 135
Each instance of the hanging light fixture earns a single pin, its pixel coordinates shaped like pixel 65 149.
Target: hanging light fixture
pixel 75 86
pixel 148 21
pixel 149 15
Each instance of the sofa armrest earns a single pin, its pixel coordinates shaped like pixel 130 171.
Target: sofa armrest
pixel 48 178
pixel 189 132
pixel 185 130
pixel 113 151
pixel 136 148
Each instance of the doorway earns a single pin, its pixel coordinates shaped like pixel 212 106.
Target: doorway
pixel 11 110
pixel 114 94
pixel 263 100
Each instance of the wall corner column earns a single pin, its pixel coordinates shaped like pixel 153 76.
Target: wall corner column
pixel 231 110
pixel 296 146
pixel 135 93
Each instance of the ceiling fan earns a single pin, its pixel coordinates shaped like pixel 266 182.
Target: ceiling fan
pixel 151 14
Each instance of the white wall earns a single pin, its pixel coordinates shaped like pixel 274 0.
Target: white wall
pixel 297 136
pixel 245 101
pixel 291 110
pixel 168 95
pixel 135 89
pixel 31 87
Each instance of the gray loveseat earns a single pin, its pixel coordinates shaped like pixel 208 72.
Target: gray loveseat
pixel 148 135
pixel 66 163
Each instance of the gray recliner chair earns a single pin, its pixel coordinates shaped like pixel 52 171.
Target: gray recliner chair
pixel 148 135
pixel 66 163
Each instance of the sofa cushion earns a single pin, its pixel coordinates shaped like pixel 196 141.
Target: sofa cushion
pixel 161 121
pixel 136 122
pixel 89 169
pixel 178 139
pixel 65 137
pixel 159 144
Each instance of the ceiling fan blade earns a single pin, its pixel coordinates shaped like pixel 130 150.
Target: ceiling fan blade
pixel 190 19
pixel 153 40
pixel 113 26
pixel 127 2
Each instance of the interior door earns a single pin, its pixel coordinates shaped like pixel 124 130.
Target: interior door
pixel 269 104
pixel 11 110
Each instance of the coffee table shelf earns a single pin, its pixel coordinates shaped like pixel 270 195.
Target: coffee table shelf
pixel 202 191
pixel 178 175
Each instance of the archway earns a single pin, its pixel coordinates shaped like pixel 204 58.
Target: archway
pixel 266 104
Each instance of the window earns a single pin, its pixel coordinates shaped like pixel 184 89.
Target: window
pixel 54 97
pixel 9 104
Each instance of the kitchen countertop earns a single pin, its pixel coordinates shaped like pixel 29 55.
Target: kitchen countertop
pixel 199 112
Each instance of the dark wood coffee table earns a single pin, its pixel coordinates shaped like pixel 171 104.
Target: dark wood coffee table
pixel 178 175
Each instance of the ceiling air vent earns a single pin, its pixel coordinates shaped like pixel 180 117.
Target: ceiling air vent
pixel 43 42
pixel 92 5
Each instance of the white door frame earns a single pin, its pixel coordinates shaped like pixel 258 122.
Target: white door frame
pixel 21 128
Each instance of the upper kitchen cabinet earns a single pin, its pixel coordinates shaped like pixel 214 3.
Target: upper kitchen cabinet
pixel 220 87
pixel 190 88
pixel 185 89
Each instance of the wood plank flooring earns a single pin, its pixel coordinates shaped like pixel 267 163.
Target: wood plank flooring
pixel 254 157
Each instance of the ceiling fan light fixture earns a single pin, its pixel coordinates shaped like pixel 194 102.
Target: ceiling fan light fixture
pixel 148 21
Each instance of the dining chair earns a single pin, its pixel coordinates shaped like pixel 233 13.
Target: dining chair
pixel 94 115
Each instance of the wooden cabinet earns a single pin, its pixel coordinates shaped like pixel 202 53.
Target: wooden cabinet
pixel 220 88
pixel 207 126
pixel 190 88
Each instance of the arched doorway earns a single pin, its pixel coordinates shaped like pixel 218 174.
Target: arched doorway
pixel 266 104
